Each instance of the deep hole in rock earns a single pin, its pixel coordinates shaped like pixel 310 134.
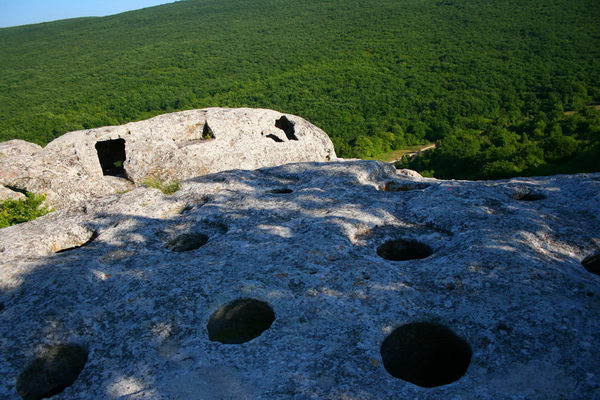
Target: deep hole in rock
pixel 240 321
pixel 287 127
pixel 529 196
pixel 404 249
pixel 281 191
pixel 187 242
pixel 425 354
pixel 90 240
pixel 53 372
pixel 592 264
pixel 111 154
pixel 275 138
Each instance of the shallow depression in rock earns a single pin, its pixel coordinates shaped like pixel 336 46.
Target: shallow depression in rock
pixel 425 354
pixel 187 242
pixel 283 190
pixel 51 373
pixel 240 321
pixel 404 249
pixel 529 196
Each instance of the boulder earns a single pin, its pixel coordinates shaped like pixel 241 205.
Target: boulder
pixel 18 147
pixel 408 173
pixel 338 280
pixel 81 165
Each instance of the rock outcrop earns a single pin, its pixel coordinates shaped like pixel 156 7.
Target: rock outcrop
pixel 339 280
pixel 85 164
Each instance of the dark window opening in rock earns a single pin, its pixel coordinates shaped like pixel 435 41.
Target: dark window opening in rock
pixel 425 354
pixel 403 249
pixel 111 154
pixel 90 240
pixel 52 373
pixel 207 133
pixel 240 321
pixel 287 127
pixel 592 264
pixel 529 196
pixel 281 191
pixel 275 138
pixel 187 242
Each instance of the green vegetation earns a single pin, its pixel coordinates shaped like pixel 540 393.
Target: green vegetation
pixel 166 188
pixel 14 212
pixel 543 145
pixel 398 154
pixel 377 76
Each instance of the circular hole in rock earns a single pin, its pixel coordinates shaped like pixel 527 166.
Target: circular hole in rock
pixel 187 242
pixel 403 249
pixel 529 196
pixel 240 321
pixel 425 354
pixel 51 373
pixel 281 191
pixel 592 264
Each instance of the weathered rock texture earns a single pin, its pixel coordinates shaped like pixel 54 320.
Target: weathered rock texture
pixel 9 194
pixel 495 274
pixel 81 165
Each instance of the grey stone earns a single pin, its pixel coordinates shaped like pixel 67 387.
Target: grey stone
pixel 505 276
pixel 9 194
pixel 82 165
pixel 18 147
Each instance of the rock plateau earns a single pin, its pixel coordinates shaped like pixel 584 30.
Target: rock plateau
pixel 335 280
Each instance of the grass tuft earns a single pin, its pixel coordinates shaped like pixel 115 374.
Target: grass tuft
pixel 14 212
pixel 166 188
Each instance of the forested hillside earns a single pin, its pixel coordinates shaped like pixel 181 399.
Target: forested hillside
pixel 489 80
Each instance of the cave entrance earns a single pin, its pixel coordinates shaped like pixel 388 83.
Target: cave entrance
pixel 111 154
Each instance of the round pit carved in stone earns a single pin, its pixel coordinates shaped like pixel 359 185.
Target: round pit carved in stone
pixel 425 354
pixel 592 264
pixel 187 242
pixel 281 191
pixel 240 321
pixel 404 249
pixel 51 373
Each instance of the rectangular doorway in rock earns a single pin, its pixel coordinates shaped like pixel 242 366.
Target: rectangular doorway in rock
pixel 111 154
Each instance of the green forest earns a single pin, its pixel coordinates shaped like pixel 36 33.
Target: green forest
pixel 503 87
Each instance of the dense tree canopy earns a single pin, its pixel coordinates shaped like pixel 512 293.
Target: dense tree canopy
pixel 490 80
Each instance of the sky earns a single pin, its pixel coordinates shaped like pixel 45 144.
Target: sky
pixel 21 12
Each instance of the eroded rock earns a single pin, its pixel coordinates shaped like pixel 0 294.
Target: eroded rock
pixel 95 162
pixel 286 296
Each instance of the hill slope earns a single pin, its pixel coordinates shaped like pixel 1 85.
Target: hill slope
pixel 375 75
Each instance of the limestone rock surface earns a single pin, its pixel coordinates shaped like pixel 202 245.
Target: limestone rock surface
pixel 315 265
pixel 9 194
pixel 82 165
